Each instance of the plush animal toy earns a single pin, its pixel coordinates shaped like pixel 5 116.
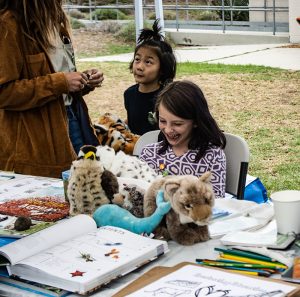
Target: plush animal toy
pixel 191 200
pixel 112 131
pixel 114 215
pixel 131 197
pixel 123 165
pixel 90 185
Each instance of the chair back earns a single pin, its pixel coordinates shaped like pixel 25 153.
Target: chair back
pixel 147 138
pixel 237 160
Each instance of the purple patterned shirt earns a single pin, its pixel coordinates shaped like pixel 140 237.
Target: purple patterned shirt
pixel 214 160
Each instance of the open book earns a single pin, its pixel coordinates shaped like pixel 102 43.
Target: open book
pixel 76 256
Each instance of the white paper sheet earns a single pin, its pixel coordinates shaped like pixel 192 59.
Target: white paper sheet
pixel 191 281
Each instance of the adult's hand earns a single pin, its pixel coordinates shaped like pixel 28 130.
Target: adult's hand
pixel 76 81
pixel 94 77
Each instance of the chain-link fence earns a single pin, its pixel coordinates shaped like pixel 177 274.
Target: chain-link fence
pixel 226 15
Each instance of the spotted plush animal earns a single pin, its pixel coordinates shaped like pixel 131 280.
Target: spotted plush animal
pixel 90 185
pixel 114 132
pixel 131 197
pixel 123 165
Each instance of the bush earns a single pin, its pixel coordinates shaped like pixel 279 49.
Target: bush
pixel 108 14
pixel 75 24
pixel 168 15
pixel 76 14
pixel 109 26
pixel 237 15
pixel 205 15
pixel 127 33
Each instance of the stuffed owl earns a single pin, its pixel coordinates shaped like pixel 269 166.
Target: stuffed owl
pixel 90 185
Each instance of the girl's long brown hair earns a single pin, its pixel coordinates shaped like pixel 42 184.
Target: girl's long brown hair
pixel 39 19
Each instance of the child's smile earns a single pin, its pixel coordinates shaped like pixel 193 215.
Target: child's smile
pixel 177 130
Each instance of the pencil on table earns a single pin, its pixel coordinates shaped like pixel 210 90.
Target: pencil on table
pixel 275 265
pixel 234 264
pixel 245 254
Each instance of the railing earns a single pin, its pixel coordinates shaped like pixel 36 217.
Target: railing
pixel 224 15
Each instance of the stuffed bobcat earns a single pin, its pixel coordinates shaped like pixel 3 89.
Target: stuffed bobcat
pixel 112 131
pixel 191 199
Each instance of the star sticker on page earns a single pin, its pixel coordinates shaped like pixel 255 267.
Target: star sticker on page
pixel 77 273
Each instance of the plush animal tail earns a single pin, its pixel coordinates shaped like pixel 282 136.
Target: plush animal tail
pixel 114 215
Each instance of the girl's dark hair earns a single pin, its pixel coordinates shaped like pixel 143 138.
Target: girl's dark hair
pixel 155 40
pixel 39 20
pixel 186 100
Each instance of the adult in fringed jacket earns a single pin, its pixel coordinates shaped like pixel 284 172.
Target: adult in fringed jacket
pixel 38 84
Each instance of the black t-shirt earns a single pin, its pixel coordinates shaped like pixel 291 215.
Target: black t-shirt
pixel 138 106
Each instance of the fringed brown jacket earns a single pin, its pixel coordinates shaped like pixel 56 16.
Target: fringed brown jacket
pixel 34 130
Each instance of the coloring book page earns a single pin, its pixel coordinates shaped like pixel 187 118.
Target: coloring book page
pixel 196 281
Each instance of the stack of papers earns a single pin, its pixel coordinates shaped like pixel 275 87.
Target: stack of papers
pixel 243 216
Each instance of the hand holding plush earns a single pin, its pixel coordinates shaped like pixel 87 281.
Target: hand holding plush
pixel 114 215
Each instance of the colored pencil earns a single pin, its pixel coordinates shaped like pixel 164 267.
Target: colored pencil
pixel 236 264
pixel 275 265
pixel 259 272
pixel 245 272
pixel 246 254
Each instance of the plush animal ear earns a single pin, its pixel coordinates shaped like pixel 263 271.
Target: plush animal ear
pixel 205 177
pixel 171 187
pixel 100 129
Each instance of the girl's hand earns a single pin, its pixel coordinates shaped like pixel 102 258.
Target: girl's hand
pixel 93 77
pixel 76 81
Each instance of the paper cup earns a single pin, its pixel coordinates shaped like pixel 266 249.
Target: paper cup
pixel 287 211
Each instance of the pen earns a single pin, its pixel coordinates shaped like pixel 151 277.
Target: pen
pixel 246 254
pixel 276 265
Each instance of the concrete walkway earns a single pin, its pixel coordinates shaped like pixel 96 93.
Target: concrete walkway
pixel 272 55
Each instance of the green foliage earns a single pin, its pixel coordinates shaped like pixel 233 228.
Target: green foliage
pixel 189 68
pixel 205 15
pixel 237 15
pixel 75 24
pixel 127 33
pixel 108 14
pixel 168 15
pixel 76 14
pixel 120 49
